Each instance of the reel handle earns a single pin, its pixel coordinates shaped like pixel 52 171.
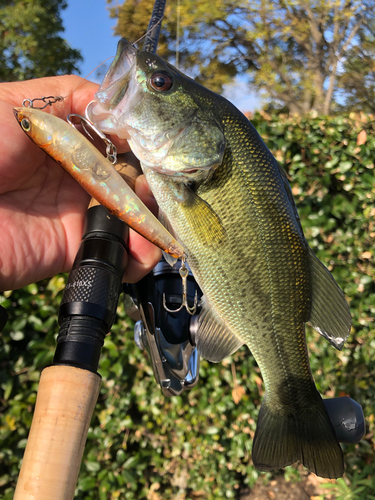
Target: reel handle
pixel 347 419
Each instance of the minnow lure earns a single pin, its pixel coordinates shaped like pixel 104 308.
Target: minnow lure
pixel 70 149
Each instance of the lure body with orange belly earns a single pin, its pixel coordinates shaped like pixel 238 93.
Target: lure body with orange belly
pixel 70 149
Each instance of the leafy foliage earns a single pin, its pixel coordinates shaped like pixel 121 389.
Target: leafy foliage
pixel 144 446
pixel 290 50
pixel 360 487
pixel 30 44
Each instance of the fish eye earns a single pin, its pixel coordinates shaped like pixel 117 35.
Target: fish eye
pixel 25 124
pixel 161 81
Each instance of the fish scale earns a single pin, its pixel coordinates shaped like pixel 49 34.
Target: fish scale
pixel 230 206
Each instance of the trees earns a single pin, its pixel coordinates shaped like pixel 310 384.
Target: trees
pixel 294 51
pixel 30 44
pixel 358 79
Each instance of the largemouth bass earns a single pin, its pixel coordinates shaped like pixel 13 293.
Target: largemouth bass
pixel 230 206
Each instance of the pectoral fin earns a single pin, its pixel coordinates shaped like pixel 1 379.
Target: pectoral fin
pixel 330 314
pixel 205 224
pixel 214 340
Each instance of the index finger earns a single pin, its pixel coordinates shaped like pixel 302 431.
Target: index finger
pixel 76 91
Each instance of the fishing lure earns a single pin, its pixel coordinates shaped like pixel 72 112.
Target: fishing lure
pixel 70 149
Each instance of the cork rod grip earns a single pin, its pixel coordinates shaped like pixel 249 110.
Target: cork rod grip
pixel 64 407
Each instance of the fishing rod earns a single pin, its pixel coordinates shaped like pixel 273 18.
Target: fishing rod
pixel 68 390
pixel 166 325
pixel 153 30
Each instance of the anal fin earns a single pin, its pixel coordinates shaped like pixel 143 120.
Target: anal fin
pixel 330 314
pixel 214 340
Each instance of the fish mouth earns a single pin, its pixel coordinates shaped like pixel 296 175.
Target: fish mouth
pixel 115 82
pixel 115 92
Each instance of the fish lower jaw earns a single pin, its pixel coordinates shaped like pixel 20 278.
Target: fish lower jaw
pixel 108 124
pixel 179 175
pixel 159 168
pixel 182 176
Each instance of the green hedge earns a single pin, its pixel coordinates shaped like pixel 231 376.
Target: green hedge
pixel 142 445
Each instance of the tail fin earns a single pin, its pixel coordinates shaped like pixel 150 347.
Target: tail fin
pixel 286 435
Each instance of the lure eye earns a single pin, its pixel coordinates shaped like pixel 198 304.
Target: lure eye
pixel 25 124
pixel 161 81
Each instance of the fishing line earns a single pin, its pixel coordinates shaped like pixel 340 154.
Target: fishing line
pixel 178 34
pixel 110 57
pixel 85 78
pixel 48 101
pixel 148 31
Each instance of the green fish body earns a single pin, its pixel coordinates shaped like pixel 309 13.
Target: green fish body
pixel 230 205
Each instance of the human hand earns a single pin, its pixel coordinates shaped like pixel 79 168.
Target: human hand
pixel 42 208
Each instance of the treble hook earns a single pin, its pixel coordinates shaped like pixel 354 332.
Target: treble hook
pixel 110 147
pixel 184 273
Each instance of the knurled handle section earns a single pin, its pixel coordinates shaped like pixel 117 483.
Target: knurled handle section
pixel 90 284
pixel 89 303
pixel 91 291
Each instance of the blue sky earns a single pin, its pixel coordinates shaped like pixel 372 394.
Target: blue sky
pixel 89 28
